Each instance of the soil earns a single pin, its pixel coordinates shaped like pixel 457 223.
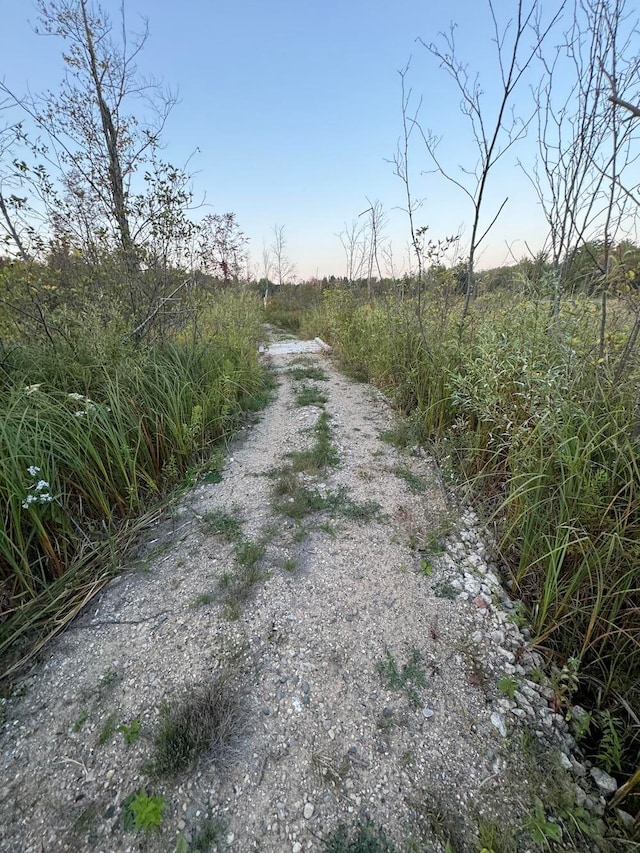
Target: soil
pixel 363 662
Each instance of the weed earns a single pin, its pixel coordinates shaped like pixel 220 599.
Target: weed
pixel 211 833
pixel 130 732
pixel 289 565
pixel 298 501
pixel 407 679
pixel 209 720
pixel 444 589
pixel 248 554
pixel 141 812
pixel 308 372
pixel 204 599
pixel 496 838
pixel 426 568
pixel 508 685
pixel 323 454
pixel 365 837
pixel 541 829
pixel 308 395
pixel 80 720
pixel 415 483
pixel 224 524
pixel 108 679
pixel 108 730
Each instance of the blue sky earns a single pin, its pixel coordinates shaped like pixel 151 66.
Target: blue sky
pixel 291 109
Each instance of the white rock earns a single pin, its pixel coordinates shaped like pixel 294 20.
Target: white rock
pixel 498 721
pixel 606 783
pixel 308 811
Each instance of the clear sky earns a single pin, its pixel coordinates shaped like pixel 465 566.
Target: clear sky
pixel 292 109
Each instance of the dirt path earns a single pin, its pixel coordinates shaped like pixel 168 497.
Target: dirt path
pixel 362 641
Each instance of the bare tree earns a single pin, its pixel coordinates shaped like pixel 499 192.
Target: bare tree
pixel 377 220
pixel 353 238
pixel 284 268
pixel 495 131
pixel 585 149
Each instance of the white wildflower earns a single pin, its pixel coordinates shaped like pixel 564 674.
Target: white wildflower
pixel 75 396
pixel 40 485
pixel 79 414
pixel 31 389
pixel 33 470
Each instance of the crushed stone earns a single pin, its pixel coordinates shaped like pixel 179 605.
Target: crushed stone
pixel 326 737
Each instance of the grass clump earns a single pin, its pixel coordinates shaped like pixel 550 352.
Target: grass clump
pixel 321 455
pixel 227 525
pixel 308 395
pixel 296 500
pixel 311 371
pixel 415 483
pixel 209 721
pixel 406 679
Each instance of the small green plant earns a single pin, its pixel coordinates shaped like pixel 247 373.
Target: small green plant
pixel 289 565
pixel 204 599
pixel 508 685
pixel 426 568
pixel 210 834
pixel 141 812
pixel 208 720
pixel 224 524
pixel 80 720
pixel 415 483
pixel 108 730
pixel 564 682
pixel 365 837
pixel 130 732
pixel 542 830
pixel 108 679
pixel 407 679
pixel 444 589
pixel 248 554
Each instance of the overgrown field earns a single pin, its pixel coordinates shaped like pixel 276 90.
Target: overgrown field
pixel 527 413
pixel 94 432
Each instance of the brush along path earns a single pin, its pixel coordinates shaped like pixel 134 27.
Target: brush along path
pixel 323 577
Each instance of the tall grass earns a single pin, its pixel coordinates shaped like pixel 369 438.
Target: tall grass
pixel 79 463
pixel 526 410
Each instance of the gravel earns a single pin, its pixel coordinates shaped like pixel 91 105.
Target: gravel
pixel 324 738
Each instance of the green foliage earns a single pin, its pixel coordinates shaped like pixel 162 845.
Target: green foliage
pixel 80 720
pixel 93 435
pixel 131 732
pixel 107 730
pixel 415 483
pixel 141 812
pixel 407 679
pixel 524 410
pixel 542 830
pixel 308 395
pixel 310 371
pixel 508 685
pixel 224 524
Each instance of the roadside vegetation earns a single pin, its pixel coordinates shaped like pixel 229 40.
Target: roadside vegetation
pixel 538 426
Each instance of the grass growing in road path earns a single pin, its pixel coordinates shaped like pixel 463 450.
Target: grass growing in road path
pixel 210 720
pixel 321 455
